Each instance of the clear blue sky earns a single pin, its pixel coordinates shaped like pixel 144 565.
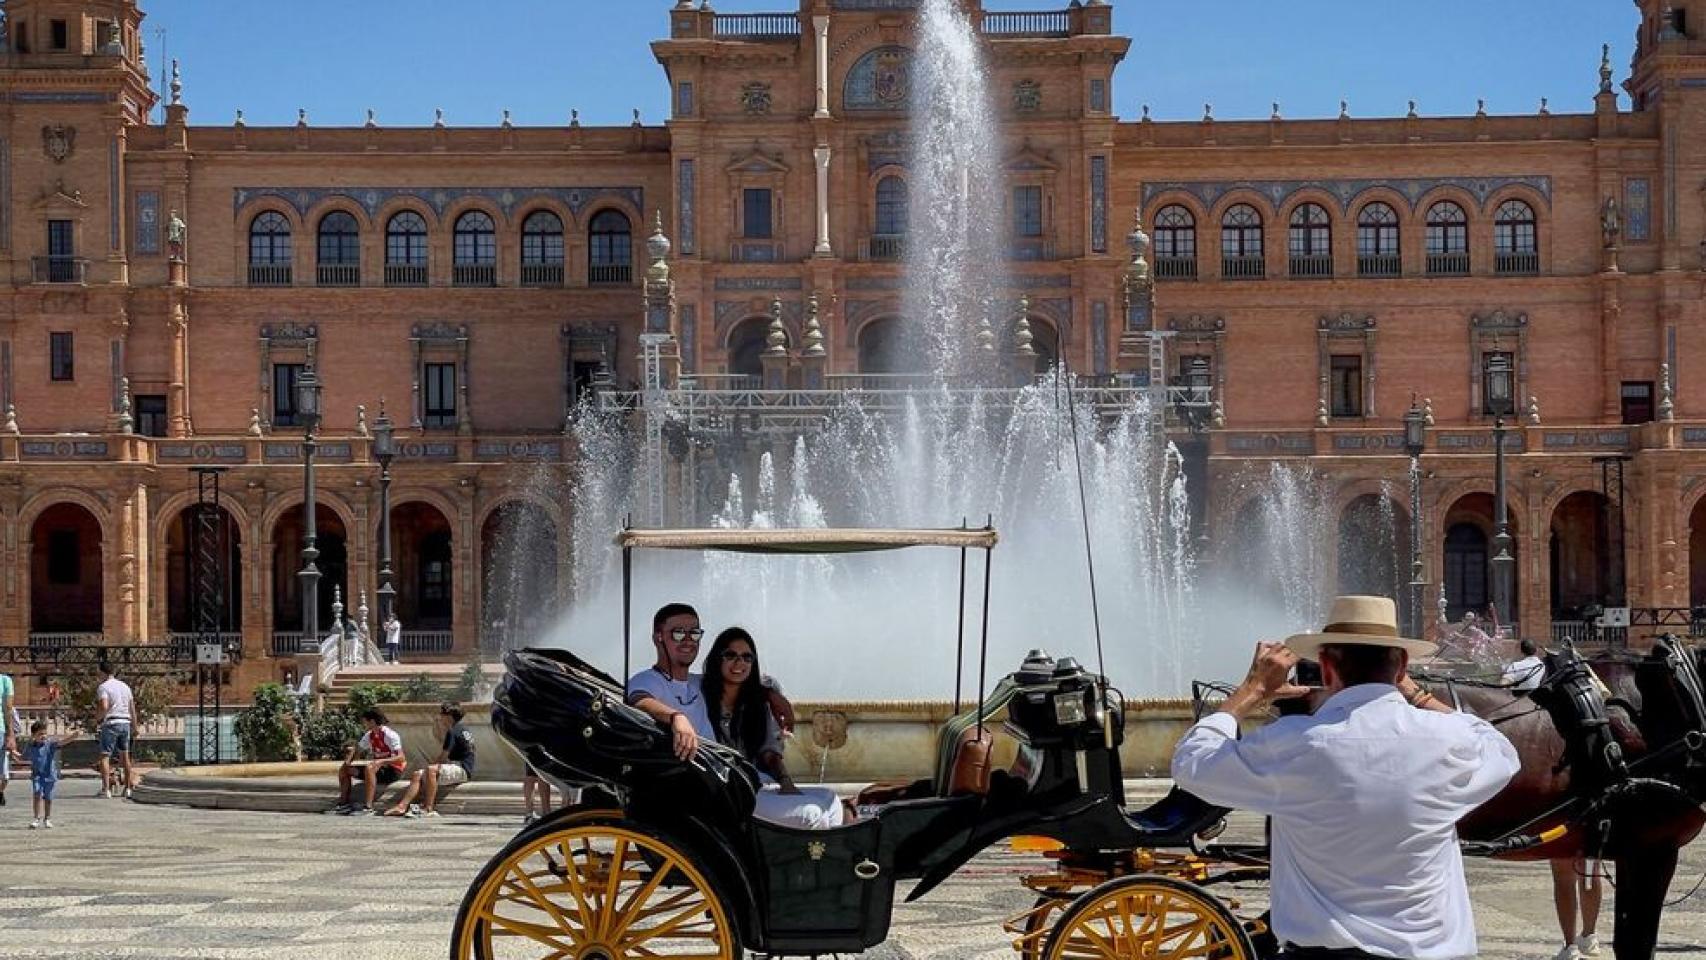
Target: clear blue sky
pixel 539 58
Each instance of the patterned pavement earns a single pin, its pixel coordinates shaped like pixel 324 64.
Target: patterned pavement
pixel 119 880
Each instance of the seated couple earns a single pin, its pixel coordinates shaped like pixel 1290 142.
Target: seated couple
pixel 733 703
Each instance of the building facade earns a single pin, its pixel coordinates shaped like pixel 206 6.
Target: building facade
pixel 170 283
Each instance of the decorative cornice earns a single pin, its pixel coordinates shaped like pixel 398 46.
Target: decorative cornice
pixel 1499 319
pixel 1345 323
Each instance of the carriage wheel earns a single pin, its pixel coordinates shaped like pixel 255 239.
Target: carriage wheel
pixel 1035 932
pixel 1148 918
pixel 598 887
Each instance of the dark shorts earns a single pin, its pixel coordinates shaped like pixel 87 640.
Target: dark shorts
pixel 114 738
pixel 387 775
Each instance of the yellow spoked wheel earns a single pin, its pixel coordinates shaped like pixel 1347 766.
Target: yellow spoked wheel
pixel 1148 918
pixel 596 888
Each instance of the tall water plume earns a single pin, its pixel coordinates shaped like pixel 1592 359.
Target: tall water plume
pixel 953 245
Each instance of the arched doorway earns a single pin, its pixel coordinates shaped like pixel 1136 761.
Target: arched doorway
pixel 890 346
pixel 331 541
pixel 66 590
pixel 746 346
pixel 518 575
pixel 1580 556
pixel 1468 556
pixel 421 559
pixel 182 571
pixel 1374 550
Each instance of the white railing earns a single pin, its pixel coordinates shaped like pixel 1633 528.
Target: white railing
pixel 59 722
pixel 427 641
pixel 60 640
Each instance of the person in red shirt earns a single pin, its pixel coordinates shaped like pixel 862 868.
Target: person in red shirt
pixel 379 757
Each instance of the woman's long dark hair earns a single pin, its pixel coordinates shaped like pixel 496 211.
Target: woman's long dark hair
pixel 750 720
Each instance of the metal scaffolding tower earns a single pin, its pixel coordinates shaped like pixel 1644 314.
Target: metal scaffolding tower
pixel 208 557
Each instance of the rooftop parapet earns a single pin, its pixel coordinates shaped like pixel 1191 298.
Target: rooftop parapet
pixel 1077 20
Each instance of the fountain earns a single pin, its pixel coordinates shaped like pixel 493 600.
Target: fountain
pixel 883 626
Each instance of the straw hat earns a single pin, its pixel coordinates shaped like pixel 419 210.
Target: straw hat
pixel 1367 621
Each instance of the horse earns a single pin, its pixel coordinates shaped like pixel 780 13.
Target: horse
pixel 1621 773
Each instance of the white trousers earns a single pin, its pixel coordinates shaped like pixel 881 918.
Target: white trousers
pixel 813 808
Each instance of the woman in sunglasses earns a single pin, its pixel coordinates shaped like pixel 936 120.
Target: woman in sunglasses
pixel 738 706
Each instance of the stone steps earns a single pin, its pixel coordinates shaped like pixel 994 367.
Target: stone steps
pixel 447 675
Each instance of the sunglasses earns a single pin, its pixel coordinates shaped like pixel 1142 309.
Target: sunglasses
pixel 684 634
pixel 732 656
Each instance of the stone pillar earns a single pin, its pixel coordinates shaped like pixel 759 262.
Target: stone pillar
pixel 822 154
pixel 130 555
pixel 821 23
pixel 1139 288
pixel 177 390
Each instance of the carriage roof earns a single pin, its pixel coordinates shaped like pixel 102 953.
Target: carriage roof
pixel 806 540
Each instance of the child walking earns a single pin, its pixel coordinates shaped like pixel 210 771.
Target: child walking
pixel 43 756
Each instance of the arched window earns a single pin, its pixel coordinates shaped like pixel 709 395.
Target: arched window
pixel 542 249
pixel 1377 241
pixel 269 250
pixel 887 243
pixel 1309 241
pixel 1241 243
pixel 339 260
pixel 474 251
pixel 1447 239
pixel 406 250
pixel 1175 244
pixel 610 253
pixel 1516 248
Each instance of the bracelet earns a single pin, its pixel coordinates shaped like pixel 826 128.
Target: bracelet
pixel 1420 696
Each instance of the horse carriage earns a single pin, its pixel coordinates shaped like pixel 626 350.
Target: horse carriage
pixel 663 858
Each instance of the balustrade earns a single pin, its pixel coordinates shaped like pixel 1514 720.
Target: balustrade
pixel 756 26
pixel 269 274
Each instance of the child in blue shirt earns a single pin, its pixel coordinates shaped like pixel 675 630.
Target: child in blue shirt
pixel 42 752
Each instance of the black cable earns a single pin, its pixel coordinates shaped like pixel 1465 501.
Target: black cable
pixel 1084 514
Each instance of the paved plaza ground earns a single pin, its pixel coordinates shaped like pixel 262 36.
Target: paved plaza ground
pixel 118 880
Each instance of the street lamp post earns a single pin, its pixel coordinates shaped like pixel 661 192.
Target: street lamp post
pixel 1415 441
pixel 308 409
pixel 384 449
pixel 1501 402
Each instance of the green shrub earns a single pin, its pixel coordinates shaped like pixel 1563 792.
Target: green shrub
pixel 266 730
pixel 79 678
pixel 471 684
pixel 365 696
pixel 326 734
pixel 421 688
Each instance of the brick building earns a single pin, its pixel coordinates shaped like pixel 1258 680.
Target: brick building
pixel 170 282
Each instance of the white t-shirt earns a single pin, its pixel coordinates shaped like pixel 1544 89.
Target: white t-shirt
pixel 119 700
pixel 682 695
pixel 1525 674
pixel 394 632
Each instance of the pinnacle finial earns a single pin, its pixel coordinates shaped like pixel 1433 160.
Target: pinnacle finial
pixel 1412 114
pixel 1344 109
pixel 372 120
pixel 1208 111
pixel 361 421
pixel 126 423
pixel 438 116
pixel 1533 411
pixel 574 118
pixel 1275 115
pixel 777 339
pixel 636 116
pixel 1322 417
pixel 239 122
pixel 985 335
pixel 814 330
pixel 177 85
pixel 302 116
pixel 1428 410
pixel 1667 402
pixel 255 421
pixel 658 246
pixel 1605 68
pixel 1544 109
pixel 1022 336
pixel 1480 106
pixel 1145 117
pixel 507 122
pixel 12 420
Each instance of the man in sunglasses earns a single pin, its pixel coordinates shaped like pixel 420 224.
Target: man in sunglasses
pixel 669 690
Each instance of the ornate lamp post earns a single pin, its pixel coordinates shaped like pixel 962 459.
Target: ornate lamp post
pixel 1415 441
pixel 384 449
pixel 1499 403
pixel 308 408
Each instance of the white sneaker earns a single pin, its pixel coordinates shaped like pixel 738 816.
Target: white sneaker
pixel 1569 952
pixel 47 824
pixel 35 824
pixel 105 794
pixel 1588 945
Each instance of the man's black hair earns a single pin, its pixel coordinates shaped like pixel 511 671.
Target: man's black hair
pixel 451 710
pixel 39 726
pixel 106 667
pixel 375 714
pixel 671 610
pixel 1359 663
pixel 1528 648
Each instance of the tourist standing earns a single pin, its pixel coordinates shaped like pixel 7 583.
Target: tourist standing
pixel 8 726
pixel 393 639
pixel 115 704
pixel 1576 884
pixel 42 752
pixel 1364 794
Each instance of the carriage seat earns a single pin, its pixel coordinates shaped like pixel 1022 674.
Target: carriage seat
pixel 969 764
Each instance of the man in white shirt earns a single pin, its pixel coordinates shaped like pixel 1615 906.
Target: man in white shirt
pixel 1364 795
pixel 393 639
pixel 1525 674
pixel 669 691
pixel 115 704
